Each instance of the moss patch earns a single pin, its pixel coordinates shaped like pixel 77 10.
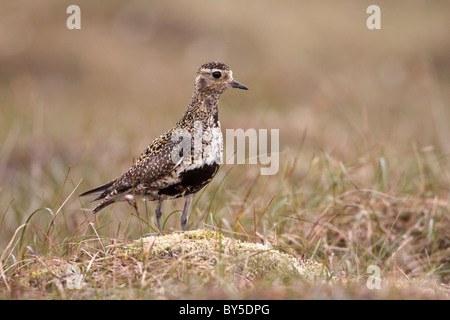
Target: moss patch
pixel 204 251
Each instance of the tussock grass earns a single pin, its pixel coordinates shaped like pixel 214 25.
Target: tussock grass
pixel 329 238
pixel 161 267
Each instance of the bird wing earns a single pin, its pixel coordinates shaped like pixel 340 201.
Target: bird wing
pixel 154 169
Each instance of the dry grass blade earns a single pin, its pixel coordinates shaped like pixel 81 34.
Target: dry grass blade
pixel 4 258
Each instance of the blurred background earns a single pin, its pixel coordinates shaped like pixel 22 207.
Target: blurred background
pixel 83 104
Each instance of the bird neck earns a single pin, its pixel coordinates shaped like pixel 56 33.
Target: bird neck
pixel 203 106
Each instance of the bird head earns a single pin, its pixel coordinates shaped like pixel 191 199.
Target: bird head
pixel 216 77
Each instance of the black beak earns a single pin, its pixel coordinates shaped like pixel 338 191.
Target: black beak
pixel 238 85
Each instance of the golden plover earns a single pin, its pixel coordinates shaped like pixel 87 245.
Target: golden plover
pixel 183 160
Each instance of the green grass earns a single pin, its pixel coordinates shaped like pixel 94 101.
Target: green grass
pixel 329 219
pixel 364 173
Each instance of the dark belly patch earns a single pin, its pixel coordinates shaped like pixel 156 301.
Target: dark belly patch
pixel 191 181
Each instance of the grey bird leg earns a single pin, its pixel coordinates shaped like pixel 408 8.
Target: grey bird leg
pixel 184 216
pixel 158 214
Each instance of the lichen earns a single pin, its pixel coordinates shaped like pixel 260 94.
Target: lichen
pixel 235 257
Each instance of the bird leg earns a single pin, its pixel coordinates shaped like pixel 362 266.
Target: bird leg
pixel 184 216
pixel 158 214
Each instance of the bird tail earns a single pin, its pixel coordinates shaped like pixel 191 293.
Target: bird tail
pixel 103 204
pixel 99 190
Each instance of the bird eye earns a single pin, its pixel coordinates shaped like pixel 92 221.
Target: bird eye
pixel 216 74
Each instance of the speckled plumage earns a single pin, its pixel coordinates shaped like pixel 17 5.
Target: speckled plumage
pixel 165 170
